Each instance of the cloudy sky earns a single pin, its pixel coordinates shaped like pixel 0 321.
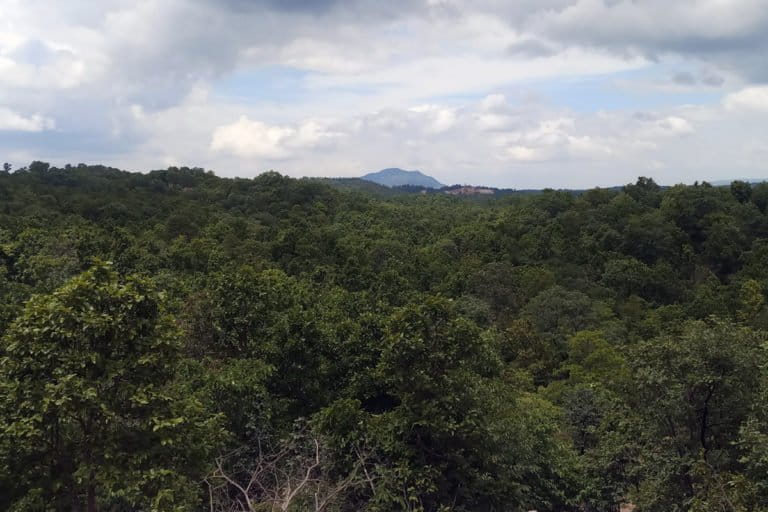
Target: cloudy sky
pixel 515 93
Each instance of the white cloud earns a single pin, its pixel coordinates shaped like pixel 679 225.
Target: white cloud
pixel 495 114
pixel 676 125
pixel 252 139
pixel 493 102
pixel 553 140
pixel 525 154
pixel 458 74
pixel 670 126
pixel 753 99
pixel 11 121
pixel 440 119
pixel 255 139
pixel 49 69
pixel 316 134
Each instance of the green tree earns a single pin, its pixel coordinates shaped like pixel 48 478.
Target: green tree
pixel 273 318
pixel 39 167
pixel 433 366
pixel 650 237
pixel 559 313
pixel 753 442
pixel 741 190
pixel 457 436
pixel 759 196
pixel 90 419
pixel 751 300
pixel 645 191
pixel 593 360
pixel 694 392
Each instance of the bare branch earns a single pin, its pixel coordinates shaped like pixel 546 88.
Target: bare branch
pixel 301 471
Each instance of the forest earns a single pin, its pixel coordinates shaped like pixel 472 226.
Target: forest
pixel 177 341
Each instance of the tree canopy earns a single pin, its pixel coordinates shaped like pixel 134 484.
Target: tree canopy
pixel 170 338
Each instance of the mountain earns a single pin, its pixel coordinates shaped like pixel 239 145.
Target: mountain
pixel 394 177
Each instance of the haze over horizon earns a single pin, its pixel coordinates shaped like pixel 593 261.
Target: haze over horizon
pixel 527 94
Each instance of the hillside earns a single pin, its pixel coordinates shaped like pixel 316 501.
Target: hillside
pixel 356 184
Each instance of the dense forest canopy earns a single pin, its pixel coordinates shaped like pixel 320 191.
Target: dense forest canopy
pixel 179 341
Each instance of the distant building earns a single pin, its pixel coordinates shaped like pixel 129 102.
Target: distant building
pixel 470 191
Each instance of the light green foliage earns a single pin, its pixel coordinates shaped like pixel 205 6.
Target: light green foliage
pixel 751 300
pixel 593 360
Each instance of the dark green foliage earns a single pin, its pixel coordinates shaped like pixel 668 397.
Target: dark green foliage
pixel 694 392
pixel 741 190
pixel 548 350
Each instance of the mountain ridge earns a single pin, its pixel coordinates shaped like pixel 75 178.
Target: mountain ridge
pixel 396 177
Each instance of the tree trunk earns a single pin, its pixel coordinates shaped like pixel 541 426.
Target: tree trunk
pixel 91 498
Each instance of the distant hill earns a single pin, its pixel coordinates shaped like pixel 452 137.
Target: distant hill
pixel 360 185
pixel 394 177
pixel 722 183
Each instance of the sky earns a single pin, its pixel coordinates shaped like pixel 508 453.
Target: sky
pixel 508 93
